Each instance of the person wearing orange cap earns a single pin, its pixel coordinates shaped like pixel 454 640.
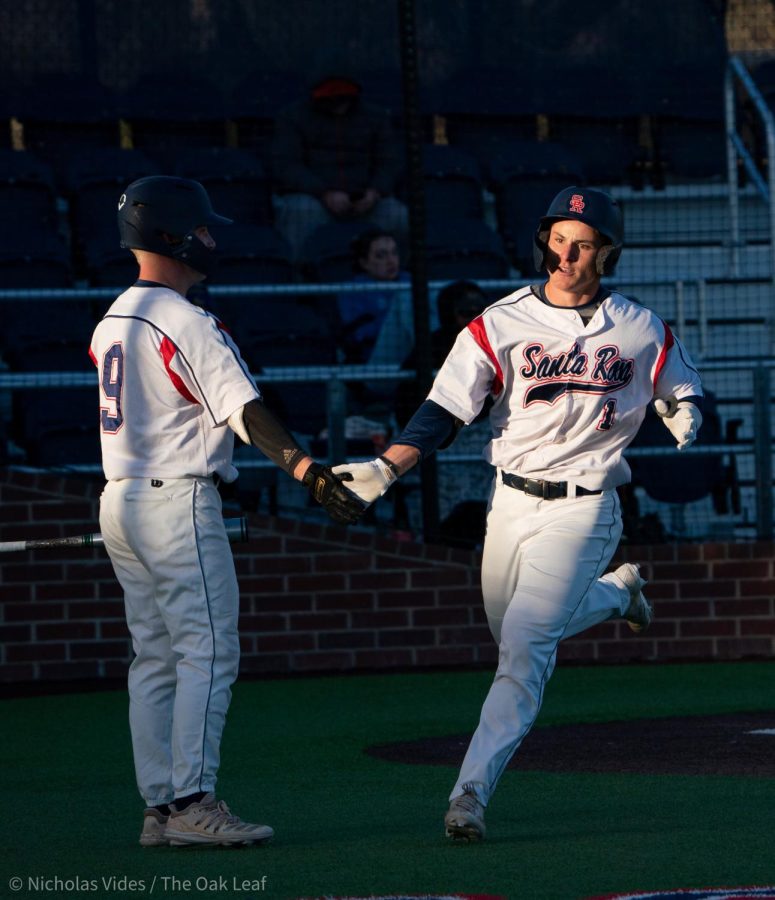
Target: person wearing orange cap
pixel 334 158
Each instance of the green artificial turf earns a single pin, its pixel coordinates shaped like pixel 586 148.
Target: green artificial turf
pixel 349 824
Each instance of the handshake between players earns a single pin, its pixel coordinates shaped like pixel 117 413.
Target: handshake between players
pixel 347 491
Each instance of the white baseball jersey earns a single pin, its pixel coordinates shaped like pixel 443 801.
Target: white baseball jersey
pixel 170 377
pixel 568 399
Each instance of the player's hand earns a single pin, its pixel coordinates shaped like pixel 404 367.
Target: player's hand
pixel 368 480
pixel 681 418
pixel 327 489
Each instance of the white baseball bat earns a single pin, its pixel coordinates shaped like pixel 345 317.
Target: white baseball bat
pixel 236 530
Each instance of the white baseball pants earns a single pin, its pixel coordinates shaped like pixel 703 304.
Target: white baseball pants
pixel 541 581
pixel 171 555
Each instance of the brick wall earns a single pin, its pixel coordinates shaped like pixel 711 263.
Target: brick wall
pixel 319 598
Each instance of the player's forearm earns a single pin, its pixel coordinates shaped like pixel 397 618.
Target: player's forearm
pixel 256 425
pixel 431 427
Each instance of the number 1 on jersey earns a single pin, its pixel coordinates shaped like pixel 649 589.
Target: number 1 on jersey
pixel 111 381
pixel 608 418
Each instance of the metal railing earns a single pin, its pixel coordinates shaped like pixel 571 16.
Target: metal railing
pixel 738 76
pixel 336 378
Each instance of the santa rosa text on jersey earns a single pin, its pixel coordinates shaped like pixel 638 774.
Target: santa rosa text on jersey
pixel 610 372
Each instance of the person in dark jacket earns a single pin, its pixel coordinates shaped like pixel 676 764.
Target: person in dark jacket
pixel 334 157
pixel 458 303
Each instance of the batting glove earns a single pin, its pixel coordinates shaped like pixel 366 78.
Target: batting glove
pixel 327 489
pixel 681 418
pixel 370 480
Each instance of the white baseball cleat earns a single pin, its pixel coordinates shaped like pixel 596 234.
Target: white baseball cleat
pixel 464 820
pixel 639 613
pixel 210 821
pixel 154 824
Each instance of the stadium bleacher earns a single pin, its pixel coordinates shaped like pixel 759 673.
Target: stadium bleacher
pixel 499 141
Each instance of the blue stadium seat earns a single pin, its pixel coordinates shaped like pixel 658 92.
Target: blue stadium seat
pixel 252 254
pixel 168 110
pixel 106 264
pixel 284 331
pixel 464 248
pixel 525 177
pixel 608 149
pixel 483 105
pixel 57 427
pixel 95 181
pixel 490 91
pixel 28 192
pixel 48 335
pixel 685 101
pixel 33 257
pixel 62 113
pixel 236 181
pixel 687 479
pixel 453 183
pixel 326 254
pixel 689 149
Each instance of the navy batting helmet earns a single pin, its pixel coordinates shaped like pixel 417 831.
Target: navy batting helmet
pixel 160 214
pixel 588 205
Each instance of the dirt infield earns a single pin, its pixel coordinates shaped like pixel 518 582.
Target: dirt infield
pixel 740 744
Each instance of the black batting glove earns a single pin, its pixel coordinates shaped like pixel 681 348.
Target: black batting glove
pixel 327 489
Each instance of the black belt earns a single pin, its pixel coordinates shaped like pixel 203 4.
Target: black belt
pixel 215 478
pixel 548 490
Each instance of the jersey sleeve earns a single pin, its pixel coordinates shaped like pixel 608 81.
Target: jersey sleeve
pixel 469 373
pixel 675 373
pixel 205 367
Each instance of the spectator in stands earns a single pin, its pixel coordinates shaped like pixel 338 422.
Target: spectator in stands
pixel 334 158
pixel 369 321
pixel 375 258
pixel 458 303
pixel 463 490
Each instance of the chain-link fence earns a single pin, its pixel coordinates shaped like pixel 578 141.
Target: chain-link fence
pixel 635 96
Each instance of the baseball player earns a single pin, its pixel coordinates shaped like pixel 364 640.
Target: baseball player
pixel 571 367
pixel 173 391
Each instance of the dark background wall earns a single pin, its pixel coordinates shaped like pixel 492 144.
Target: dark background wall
pixel 643 55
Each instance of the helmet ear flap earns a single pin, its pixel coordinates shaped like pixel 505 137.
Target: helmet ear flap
pixel 602 257
pixel 606 259
pixel 540 246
